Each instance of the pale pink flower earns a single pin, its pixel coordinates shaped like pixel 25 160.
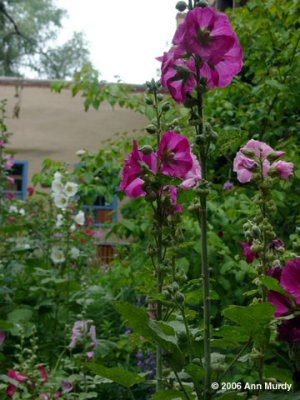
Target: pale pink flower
pixel 283 169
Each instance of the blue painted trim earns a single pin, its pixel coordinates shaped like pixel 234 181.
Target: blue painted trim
pixel 24 176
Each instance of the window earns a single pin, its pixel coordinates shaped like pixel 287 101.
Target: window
pixel 19 173
pixel 101 211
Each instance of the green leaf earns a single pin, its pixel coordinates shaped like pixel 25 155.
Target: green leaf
pixel 5 325
pixel 272 284
pixel 117 375
pixel 20 315
pixel 195 371
pixel 168 395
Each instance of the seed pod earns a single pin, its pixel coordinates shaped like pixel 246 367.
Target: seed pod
pixel 151 129
pixel 181 6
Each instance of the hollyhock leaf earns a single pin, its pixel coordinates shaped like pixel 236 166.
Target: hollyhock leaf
pixel 168 395
pixel 117 375
pixel 20 315
pixel 272 284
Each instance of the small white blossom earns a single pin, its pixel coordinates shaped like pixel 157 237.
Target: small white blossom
pixel 70 189
pixel 79 218
pixel 57 255
pixel 59 220
pixel 74 252
pixel 60 200
pixel 56 186
pixel 13 209
pixel 80 152
pixel 57 176
pixel 22 211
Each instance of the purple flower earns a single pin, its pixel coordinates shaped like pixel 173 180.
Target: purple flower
pixel 247 252
pixel 193 176
pixel 174 153
pixel 290 278
pixel 228 185
pixel 283 169
pixel 131 182
pixel 79 330
pixel 66 386
pixel 289 330
pixel 205 33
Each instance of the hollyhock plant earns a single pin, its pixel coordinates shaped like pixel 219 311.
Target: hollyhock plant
pixel 131 181
pixel 174 153
pixel 283 169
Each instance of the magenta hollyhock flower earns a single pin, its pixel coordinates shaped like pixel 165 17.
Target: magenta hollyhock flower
pixel 247 252
pixel 131 182
pixel 283 169
pixel 289 330
pixel 43 373
pixel 178 74
pixel 205 33
pixel 174 153
pixel 290 278
pixel 11 388
pixel 220 74
pixel 193 176
pixel 244 165
pixel 9 161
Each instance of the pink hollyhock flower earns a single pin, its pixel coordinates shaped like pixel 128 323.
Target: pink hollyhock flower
pixel 172 196
pixel 206 33
pixel 90 354
pixel 220 74
pixel 131 181
pixel 43 373
pixel 175 154
pixel 79 329
pixel 244 165
pixel 289 330
pixel 10 179
pixel 9 161
pixel 193 176
pixel 11 388
pixel 177 74
pixel 247 252
pixel 283 169
pixel 2 337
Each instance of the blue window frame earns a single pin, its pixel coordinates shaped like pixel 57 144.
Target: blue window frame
pixel 19 172
pixel 101 210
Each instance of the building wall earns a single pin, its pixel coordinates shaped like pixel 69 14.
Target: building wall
pixel 55 126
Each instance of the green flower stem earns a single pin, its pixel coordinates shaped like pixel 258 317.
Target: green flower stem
pixel 203 151
pixel 181 385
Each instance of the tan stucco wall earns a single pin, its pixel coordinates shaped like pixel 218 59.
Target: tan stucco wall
pixel 55 126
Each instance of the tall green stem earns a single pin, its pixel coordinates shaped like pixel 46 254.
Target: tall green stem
pixel 203 144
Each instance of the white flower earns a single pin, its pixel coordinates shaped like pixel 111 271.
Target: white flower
pixel 79 218
pixel 13 209
pixel 80 152
pixel 74 252
pixel 22 211
pixel 57 176
pixel 60 200
pixel 70 189
pixel 59 220
pixel 57 255
pixel 56 186
pixel 73 228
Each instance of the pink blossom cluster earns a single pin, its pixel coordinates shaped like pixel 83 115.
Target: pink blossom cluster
pixel 205 46
pixel 173 158
pixel 289 303
pixel 254 153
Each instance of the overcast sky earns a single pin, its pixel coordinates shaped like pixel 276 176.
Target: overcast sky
pixel 125 36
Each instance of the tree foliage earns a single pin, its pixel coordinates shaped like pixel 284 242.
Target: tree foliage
pixel 27 31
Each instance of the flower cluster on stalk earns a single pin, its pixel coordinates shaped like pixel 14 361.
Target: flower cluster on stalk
pixel 204 46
